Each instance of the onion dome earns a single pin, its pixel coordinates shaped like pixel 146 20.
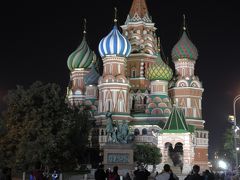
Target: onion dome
pixel 159 71
pixel 114 44
pixel 184 48
pixel 82 57
pixel 92 77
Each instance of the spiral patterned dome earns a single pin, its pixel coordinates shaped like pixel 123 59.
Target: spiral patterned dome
pixel 82 57
pixel 184 49
pixel 114 44
pixel 159 71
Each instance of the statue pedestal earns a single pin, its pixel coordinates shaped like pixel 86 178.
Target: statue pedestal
pixel 120 155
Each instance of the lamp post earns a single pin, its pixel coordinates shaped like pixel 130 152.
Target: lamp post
pixel 235 127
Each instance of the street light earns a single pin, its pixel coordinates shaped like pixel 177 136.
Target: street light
pixel 235 127
pixel 222 164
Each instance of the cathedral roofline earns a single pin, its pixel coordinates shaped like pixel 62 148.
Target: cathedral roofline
pixel 147 24
pixel 111 84
pixel 143 54
pixel 202 89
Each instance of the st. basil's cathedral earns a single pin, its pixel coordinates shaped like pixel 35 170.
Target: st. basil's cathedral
pixel 134 82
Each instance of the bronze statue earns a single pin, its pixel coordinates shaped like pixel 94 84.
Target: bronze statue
pixel 110 129
pixel 116 133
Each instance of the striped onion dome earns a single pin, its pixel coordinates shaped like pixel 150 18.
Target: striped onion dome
pixel 159 71
pixel 184 49
pixel 114 44
pixel 82 57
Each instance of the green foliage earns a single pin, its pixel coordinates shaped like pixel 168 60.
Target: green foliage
pixel 228 145
pixel 147 154
pixel 42 128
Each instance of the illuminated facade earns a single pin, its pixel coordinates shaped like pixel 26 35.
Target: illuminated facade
pixel 138 86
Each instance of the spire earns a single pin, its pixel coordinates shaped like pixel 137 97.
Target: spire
pixel 184 23
pixel 158 45
pixel 115 15
pixel 139 7
pixel 161 52
pixel 84 27
pixel 176 122
pixel 139 12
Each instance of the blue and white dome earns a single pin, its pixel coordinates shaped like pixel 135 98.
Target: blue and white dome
pixel 114 44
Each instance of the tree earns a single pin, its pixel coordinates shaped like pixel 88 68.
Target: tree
pixel 147 154
pixel 2 128
pixel 41 127
pixel 228 146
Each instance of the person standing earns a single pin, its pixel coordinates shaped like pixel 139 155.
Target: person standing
pixel 55 175
pixel 195 174
pixel 100 173
pixel 141 173
pixel 114 175
pixel 166 174
pixel 127 176
pixel 207 175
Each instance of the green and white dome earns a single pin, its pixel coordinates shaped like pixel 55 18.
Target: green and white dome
pixel 82 57
pixel 159 71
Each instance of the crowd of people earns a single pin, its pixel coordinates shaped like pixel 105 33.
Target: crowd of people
pixel 101 174
pixel 167 174
pixel 44 175
pixel 36 174
pixel 140 174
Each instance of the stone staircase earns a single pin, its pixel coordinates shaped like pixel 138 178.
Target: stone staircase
pixel 176 170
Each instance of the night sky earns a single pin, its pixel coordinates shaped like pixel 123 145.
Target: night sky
pixel 37 38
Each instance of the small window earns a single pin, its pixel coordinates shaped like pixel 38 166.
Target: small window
pixel 145 100
pixel 144 131
pixel 102 132
pixel 136 132
pixel 133 72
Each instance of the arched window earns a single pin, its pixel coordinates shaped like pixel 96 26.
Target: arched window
pixel 133 102
pixel 145 100
pixel 108 105
pixel 136 132
pixel 120 103
pixel 144 131
pixel 133 72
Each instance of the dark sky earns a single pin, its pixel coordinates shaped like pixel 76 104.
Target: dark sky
pixel 36 39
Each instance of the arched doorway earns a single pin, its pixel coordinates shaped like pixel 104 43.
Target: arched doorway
pixel 167 151
pixel 177 155
pixel 174 155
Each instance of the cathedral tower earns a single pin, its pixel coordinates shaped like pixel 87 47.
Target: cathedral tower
pixel 186 92
pixel 113 84
pixel 91 81
pixel 158 102
pixel 79 63
pixel 186 89
pixel 140 31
